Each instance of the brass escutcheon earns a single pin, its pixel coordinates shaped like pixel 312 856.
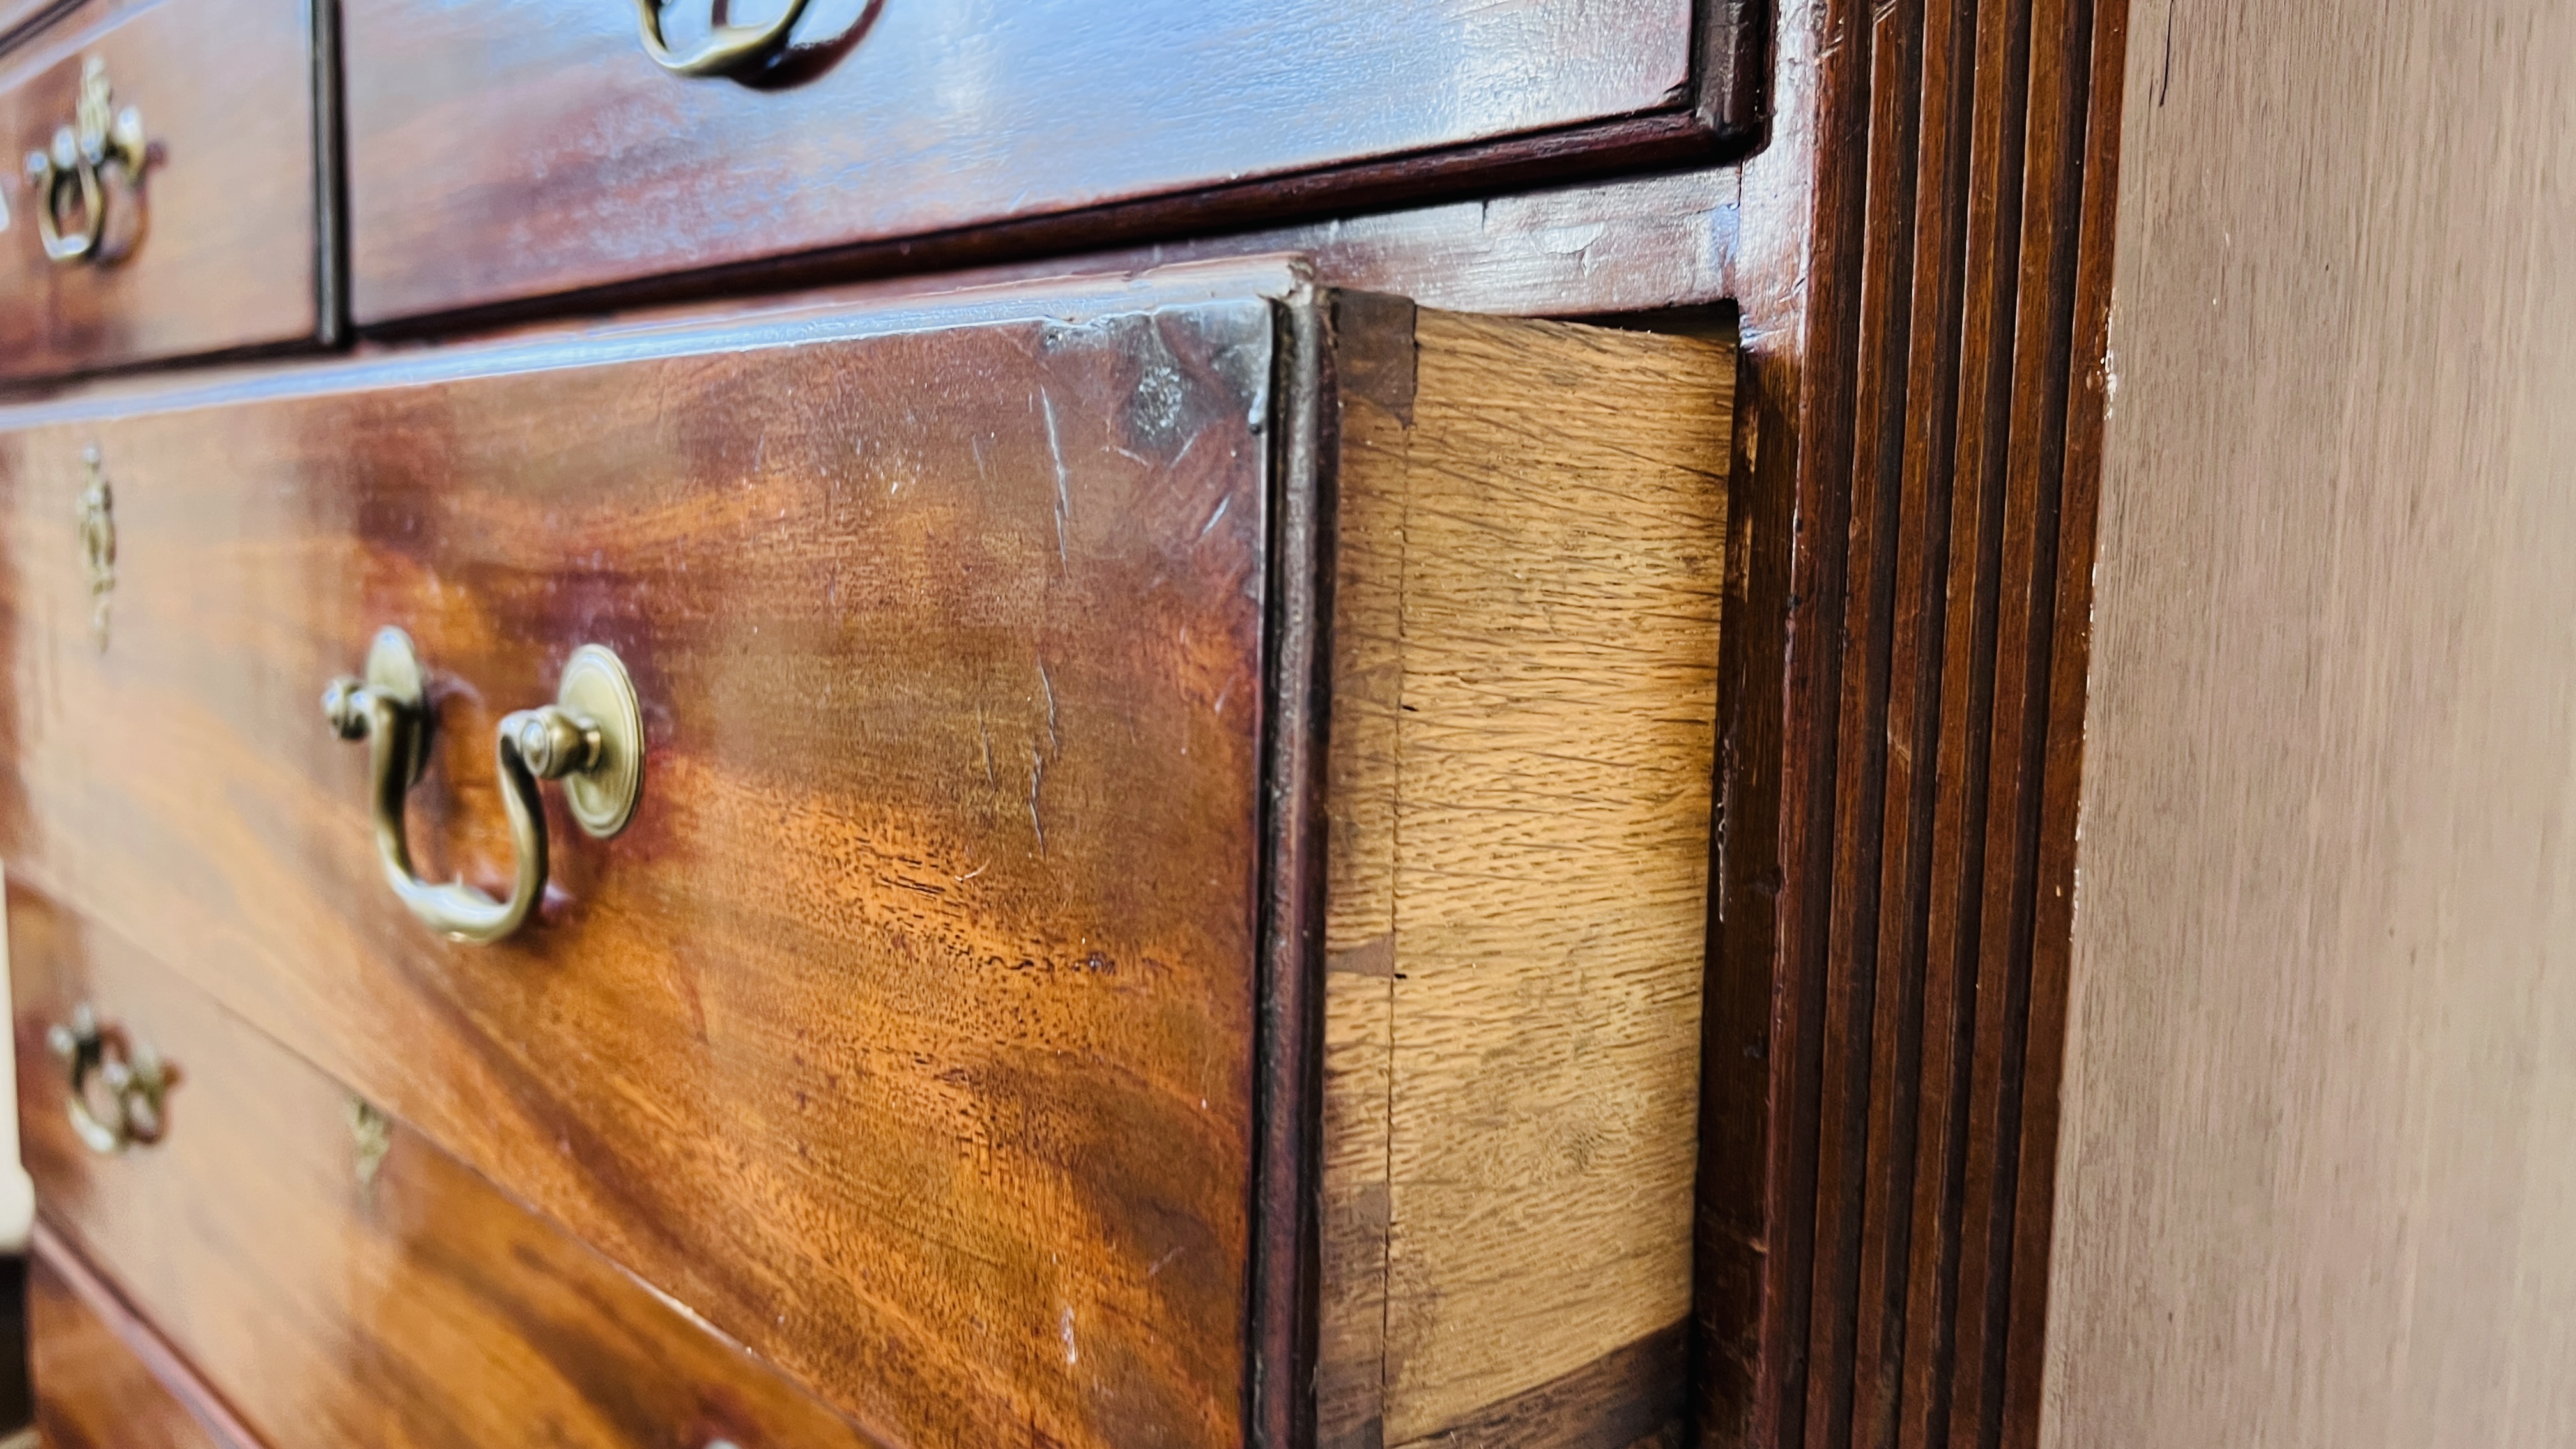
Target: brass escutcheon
pixel 128 1080
pixel 75 169
pixel 371 1137
pixel 98 543
pixel 591 738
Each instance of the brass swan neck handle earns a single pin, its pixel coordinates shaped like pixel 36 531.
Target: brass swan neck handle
pixel 727 50
pixel 591 738
pixel 75 167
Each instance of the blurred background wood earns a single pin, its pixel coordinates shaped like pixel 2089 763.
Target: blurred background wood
pixel 2321 1086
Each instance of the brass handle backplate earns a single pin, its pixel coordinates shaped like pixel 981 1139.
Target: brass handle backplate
pixel 115 1087
pixel 727 50
pixel 591 738
pixel 99 143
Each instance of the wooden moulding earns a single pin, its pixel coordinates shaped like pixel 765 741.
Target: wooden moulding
pixel 1932 436
pixel 479 187
pixel 1530 545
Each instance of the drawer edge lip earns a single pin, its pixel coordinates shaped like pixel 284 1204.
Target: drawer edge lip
pixel 1074 299
pixel 51 384
pixel 1284 1281
pixel 330 179
pixel 53 1246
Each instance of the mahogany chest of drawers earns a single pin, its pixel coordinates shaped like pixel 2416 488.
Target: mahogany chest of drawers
pixel 857 723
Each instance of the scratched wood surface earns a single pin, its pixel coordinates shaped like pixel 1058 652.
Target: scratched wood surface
pixel 2316 1186
pixel 504 149
pixel 225 253
pixel 907 1034
pixel 1532 525
pixel 331 1288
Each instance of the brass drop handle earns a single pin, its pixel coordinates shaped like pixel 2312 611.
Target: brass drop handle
pixel 72 170
pixel 727 50
pixel 591 738
pixel 127 1081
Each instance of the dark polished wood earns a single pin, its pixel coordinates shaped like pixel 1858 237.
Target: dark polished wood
pixel 108 1379
pixel 907 1035
pixel 995 605
pixel 227 258
pixel 1900 885
pixel 334 1287
pixel 508 149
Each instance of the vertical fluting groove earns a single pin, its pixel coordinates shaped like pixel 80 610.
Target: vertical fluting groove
pixel 1912 723
pixel 1816 641
pixel 2042 339
pixel 1879 405
pixel 1943 424
pixel 1946 418
pixel 1991 185
pixel 2088 389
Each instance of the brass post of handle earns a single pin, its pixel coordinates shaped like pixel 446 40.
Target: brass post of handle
pixel 73 168
pixel 591 738
pixel 131 1078
pixel 727 50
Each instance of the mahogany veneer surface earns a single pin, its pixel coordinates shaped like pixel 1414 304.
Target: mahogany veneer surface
pixel 503 149
pixel 94 1389
pixel 227 254
pixel 334 1286
pixel 907 1034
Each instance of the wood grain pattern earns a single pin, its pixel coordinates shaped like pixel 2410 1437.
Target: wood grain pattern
pixel 228 257
pixel 509 149
pixel 1909 277
pixel 329 1303
pixel 1552 962
pixel 907 1036
pixel 2314 1186
pixel 95 1391
pixel 1531 520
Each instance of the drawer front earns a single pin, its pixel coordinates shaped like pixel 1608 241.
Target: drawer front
pixel 332 1277
pixel 503 149
pixel 906 1033
pixel 215 247
pixel 94 1387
